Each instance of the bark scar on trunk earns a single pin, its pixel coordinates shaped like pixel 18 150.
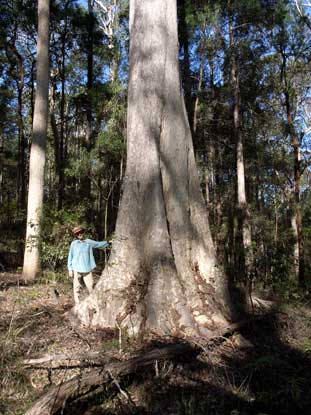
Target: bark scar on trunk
pixel 135 293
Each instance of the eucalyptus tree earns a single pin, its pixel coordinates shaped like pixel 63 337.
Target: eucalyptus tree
pixel 90 76
pixel 242 204
pixel 162 274
pixel 184 40
pixel 304 8
pixel 292 57
pixel 31 265
pixel 67 22
pixel 18 33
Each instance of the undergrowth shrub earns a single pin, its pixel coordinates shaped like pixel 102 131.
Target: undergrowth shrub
pixel 56 234
pixel 14 384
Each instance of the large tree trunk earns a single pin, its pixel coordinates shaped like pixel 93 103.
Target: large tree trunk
pixel 37 155
pixel 162 275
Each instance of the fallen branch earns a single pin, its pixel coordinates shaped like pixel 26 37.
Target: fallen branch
pixel 67 356
pixel 83 384
pixel 103 357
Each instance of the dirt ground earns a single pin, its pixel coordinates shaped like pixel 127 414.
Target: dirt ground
pixel 262 369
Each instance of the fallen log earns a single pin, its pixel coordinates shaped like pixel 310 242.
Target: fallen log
pixel 66 356
pixel 83 384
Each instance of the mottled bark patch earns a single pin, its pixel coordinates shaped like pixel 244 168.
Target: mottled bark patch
pixel 134 295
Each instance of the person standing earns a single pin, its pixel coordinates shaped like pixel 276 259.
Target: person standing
pixel 81 261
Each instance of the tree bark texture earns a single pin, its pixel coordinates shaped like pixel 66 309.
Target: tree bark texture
pixel 162 275
pixel 37 155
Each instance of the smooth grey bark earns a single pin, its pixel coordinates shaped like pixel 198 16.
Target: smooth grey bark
pixel 162 276
pixel 31 265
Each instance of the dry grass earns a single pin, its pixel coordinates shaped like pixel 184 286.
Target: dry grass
pixel 264 369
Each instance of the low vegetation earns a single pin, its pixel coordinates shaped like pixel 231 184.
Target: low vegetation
pixel 261 368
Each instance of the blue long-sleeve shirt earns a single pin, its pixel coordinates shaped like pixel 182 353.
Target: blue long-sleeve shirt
pixel 81 258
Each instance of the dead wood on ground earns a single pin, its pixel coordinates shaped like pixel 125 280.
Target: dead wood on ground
pixel 83 384
pixel 98 356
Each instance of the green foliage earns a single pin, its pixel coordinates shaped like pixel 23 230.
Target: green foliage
pixel 56 234
pixel 92 171
pixel 112 344
pixel 13 378
pixel 111 140
pixel 307 345
pixel 265 362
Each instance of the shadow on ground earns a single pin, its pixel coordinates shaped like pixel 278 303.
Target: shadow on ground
pixel 263 369
pixel 258 371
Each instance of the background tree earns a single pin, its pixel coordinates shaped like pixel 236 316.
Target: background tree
pixel 84 183
pixel 37 155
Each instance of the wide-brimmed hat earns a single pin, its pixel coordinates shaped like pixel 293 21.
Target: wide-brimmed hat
pixel 78 229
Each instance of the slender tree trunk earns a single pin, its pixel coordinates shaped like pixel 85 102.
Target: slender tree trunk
pixel 162 275
pixel 115 62
pixel 276 221
pixel 62 71
pixel 297 216
pixel 186 73
pixel 88 137
pixel 1 166
pixel 32 93
pixel 37 154
pixel 89 133
pixel 61 184
pixel 55 132
pixel 197 99
pixel 19 79
pixel 243 211
pixel 293 221
pixel 21 176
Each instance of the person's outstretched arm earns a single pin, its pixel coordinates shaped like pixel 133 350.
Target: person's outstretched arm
pixel 97 244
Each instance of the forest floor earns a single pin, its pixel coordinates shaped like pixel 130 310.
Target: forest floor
pixel 264 368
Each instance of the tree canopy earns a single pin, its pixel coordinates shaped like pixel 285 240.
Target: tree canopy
pixel 87 130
